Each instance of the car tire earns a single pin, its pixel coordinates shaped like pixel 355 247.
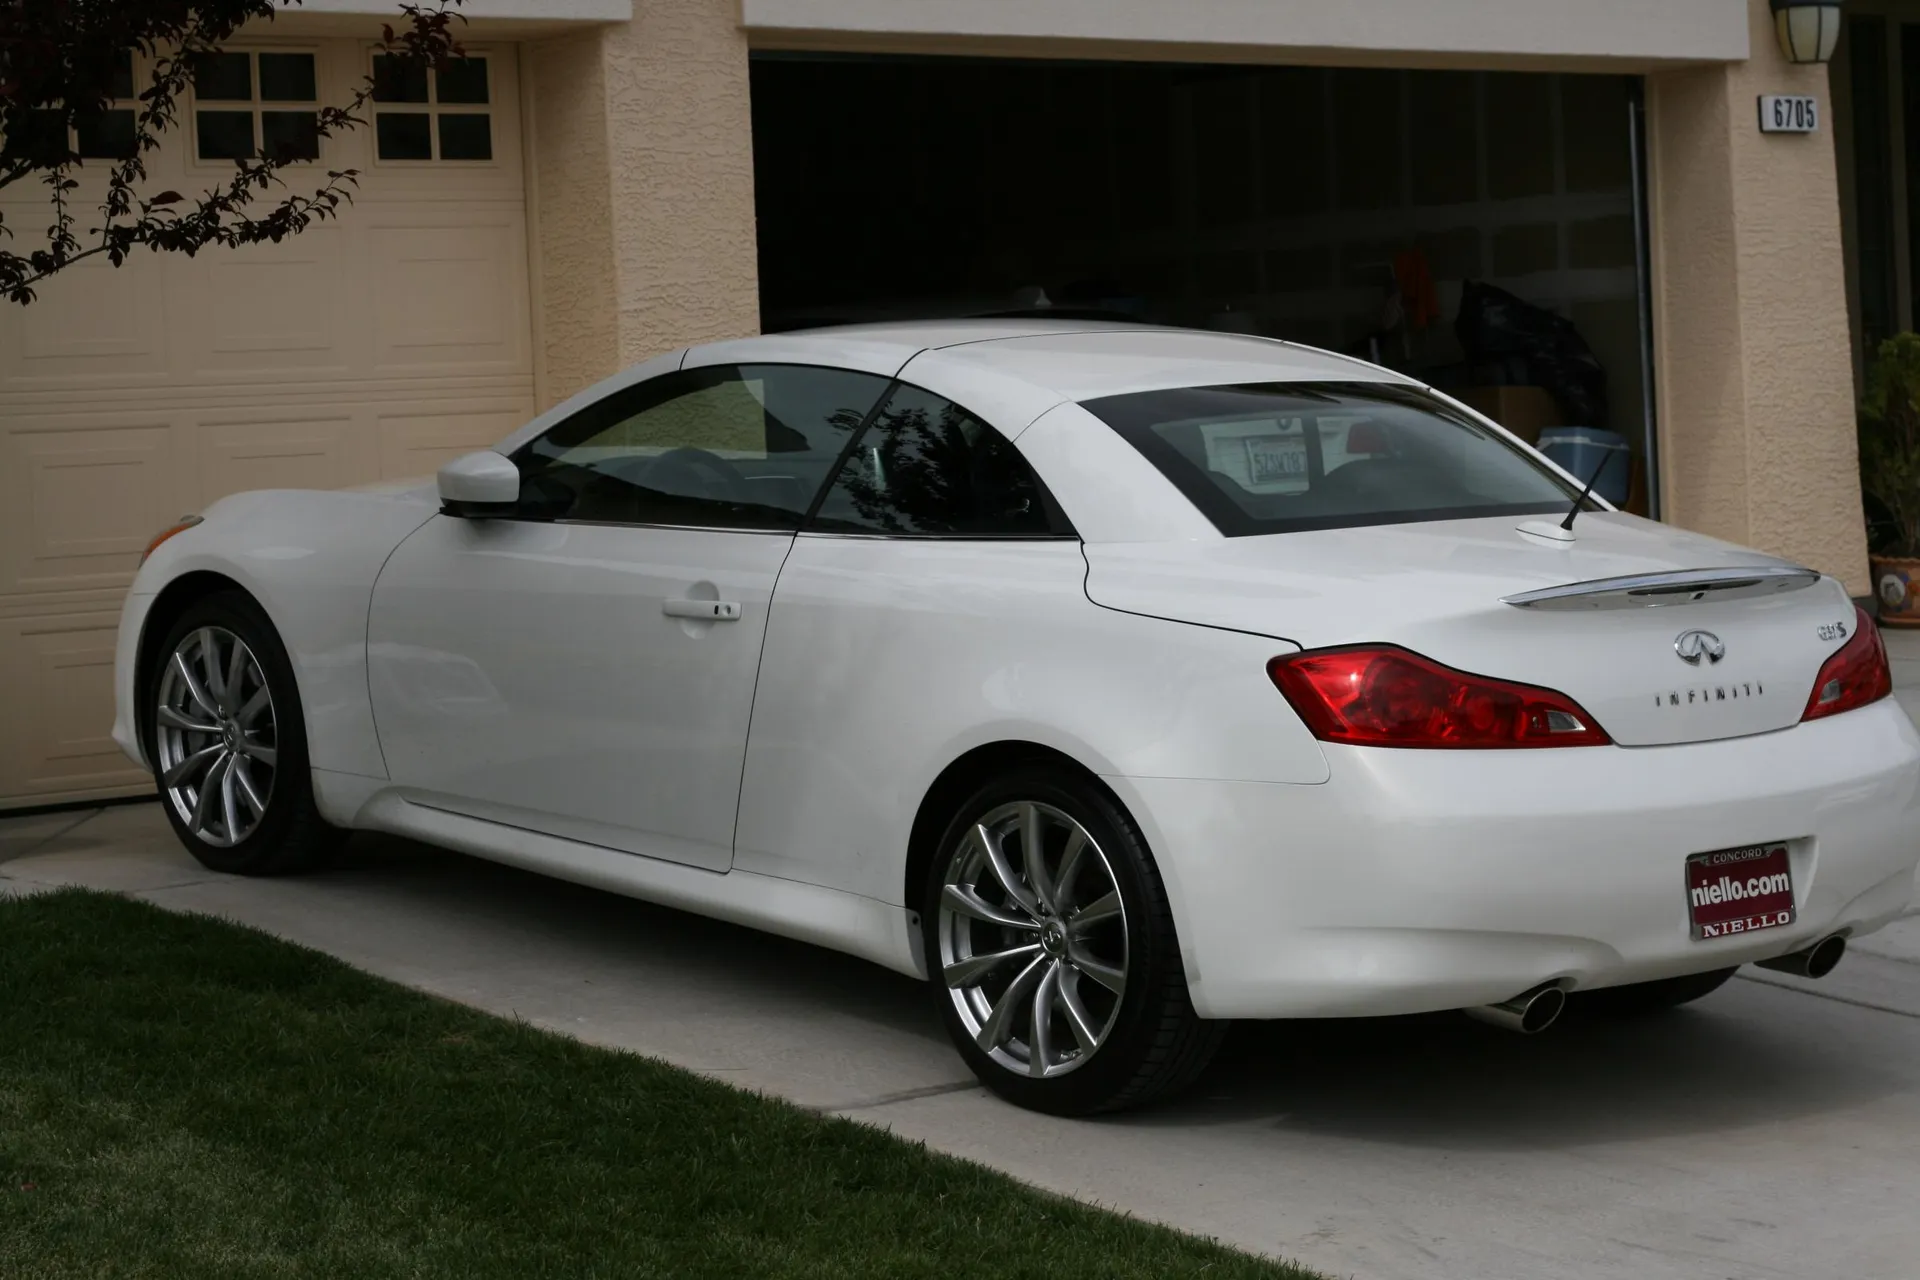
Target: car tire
pixel 228 743
pixel 1638 999
pixel 1077 965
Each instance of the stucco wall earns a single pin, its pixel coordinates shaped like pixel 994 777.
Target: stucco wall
pixel 569 196
pixel 642 184
pixel 1753 365
pixel 680 132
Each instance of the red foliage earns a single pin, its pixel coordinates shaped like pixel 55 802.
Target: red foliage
pixel 58 59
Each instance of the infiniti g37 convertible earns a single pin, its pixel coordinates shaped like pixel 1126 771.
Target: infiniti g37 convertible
pixel 1119 681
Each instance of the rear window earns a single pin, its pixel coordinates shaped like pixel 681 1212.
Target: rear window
pixel 1284 457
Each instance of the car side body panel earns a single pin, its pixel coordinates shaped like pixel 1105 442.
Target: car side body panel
pixel 888 659
pixel 310 559
pixel 847 922
pixel 534 673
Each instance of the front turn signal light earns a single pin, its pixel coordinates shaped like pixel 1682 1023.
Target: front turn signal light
pixel 185 523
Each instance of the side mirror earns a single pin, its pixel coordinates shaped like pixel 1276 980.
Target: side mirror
pixel 480 484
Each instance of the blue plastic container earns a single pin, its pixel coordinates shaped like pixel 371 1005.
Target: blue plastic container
pixel 1584 450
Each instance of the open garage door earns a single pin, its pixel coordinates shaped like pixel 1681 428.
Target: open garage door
pixel 374 346
pixel 1356 210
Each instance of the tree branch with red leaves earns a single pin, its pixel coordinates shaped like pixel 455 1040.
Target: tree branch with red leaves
pixel 58 63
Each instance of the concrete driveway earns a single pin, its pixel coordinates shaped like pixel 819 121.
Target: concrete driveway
pixel 1771 1131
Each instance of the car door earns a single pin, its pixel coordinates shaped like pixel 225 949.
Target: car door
pixel 936 573
pixel 586 666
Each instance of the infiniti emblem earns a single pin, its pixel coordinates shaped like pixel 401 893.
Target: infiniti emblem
pixel 1695 645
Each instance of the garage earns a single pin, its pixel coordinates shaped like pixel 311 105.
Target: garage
pixel 373 346
pixel 1355 209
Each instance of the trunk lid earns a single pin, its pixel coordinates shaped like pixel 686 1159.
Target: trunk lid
pixel 1440 589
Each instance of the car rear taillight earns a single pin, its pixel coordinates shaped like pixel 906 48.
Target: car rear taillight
pixel 1855 675
pixel 1384 696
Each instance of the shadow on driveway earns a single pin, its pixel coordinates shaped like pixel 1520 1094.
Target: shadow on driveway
pixel 687 948
pixel 1746 1056
pixel 1444 1082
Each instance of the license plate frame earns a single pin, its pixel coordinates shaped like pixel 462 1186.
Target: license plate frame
pixel 1732 892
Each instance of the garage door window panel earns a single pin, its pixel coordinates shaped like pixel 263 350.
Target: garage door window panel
pixel 925 467
pixel 223 77
pixel 256 103
pixel 107 133
pixel 423 115
pixel 737 447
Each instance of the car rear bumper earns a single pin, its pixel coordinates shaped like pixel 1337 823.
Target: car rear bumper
pixel 1420 880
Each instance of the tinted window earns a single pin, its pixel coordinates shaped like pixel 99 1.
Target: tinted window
pixel 927 467
pixel 733 446
pixel 1280 457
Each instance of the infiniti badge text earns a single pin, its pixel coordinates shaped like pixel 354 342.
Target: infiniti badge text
pixel 1717 693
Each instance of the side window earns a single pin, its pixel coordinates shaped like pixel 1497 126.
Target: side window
pixel 926 467
pixel 734 446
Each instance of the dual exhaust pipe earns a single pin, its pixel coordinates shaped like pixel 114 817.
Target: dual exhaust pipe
pixel 1528 1013
pixel 1817 961
pixel 1536 1009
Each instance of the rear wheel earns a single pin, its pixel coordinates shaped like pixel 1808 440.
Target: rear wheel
pixel 1640 998
pixel 228 743
pixel 1053 953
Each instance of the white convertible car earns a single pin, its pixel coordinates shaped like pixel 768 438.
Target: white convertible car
pixel 1120 681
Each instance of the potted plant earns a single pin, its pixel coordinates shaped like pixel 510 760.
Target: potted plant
pixel 1889 426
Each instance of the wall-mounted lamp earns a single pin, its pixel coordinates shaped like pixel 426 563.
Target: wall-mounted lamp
pixel 1808 29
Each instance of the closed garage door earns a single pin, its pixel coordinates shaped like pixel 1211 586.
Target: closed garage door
pixel 374 346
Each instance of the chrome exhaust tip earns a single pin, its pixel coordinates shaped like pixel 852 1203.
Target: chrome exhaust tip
pixel 1817 961
pixel 1528 1013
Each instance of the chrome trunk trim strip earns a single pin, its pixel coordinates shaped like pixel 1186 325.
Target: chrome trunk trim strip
pixel 1655 590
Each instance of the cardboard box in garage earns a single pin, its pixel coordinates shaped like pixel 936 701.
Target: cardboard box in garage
pixel 1525 411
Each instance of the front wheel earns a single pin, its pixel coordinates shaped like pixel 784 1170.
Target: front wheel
pixel 228 742
pixel 1052 950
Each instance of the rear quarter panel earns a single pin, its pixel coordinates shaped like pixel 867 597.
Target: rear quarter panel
pixel 310 558
pixel 886 660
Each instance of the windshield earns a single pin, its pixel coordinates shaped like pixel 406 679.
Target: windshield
pixel 1283 457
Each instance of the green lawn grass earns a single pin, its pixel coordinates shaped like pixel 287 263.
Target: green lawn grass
pixel 183 1097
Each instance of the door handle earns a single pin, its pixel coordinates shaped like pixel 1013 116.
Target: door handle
pixel 703 610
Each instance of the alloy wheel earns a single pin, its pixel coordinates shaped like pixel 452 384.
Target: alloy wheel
pixel 1033 939
pixel 215 736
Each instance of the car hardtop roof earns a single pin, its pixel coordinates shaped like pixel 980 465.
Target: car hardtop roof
pixel 1085 360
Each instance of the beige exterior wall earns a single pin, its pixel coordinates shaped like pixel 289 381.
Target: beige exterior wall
pixel 641 154
pixel 1752 361
pixel 377 344
pixel 570 215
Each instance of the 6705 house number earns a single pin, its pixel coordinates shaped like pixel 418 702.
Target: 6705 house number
pixel 1789 113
